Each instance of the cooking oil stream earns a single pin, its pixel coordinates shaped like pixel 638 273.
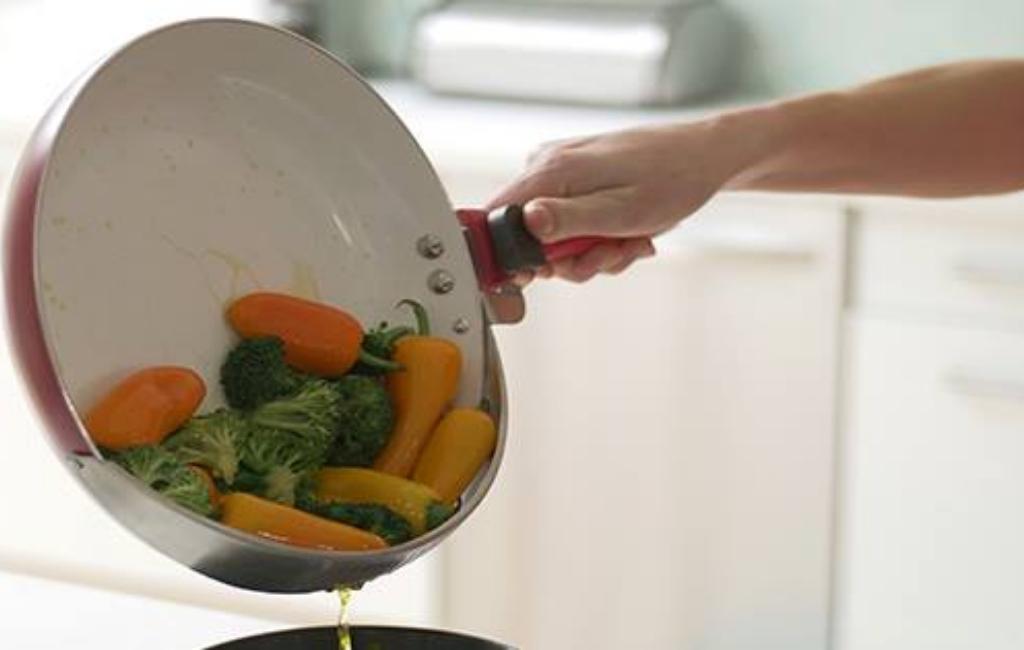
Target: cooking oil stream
pixel 344 638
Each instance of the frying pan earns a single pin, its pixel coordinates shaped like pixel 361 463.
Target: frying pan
pixel 205 160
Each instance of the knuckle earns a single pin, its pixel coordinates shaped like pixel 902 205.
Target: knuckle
pixel 540 155
pixel 558 159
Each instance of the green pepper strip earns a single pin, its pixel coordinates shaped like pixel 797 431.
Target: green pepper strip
pixel 373 361
pixel 388 338
pixel 422 320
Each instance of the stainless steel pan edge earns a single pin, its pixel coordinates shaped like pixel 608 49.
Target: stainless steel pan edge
pixel 249 562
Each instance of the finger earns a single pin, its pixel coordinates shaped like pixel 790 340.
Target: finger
pixel 563 268
pixel 548 149
pixel 561 172
pixel 598 259
pixel 601 213
pixel 527 186
pixel 638 247
pixel 623 264
pixel 633 250
pixel 545 272
pixel 548 179
pixel 584 268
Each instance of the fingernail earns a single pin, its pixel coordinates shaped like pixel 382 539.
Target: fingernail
pixel 538 219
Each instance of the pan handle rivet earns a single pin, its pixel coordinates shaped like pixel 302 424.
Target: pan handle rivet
pixel 430 246
pixel 441 281
pixel 460 326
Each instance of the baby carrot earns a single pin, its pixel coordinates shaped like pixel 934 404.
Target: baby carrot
pixel 145 407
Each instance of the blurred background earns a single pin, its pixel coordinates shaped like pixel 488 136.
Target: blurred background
pixel 800 427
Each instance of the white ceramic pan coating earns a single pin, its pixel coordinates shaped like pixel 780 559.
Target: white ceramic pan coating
pixel 203 161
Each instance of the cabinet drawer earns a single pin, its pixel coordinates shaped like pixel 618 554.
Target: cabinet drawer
pixel 931 540
pixel 958 260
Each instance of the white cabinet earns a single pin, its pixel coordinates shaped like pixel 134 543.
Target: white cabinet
pixel 932 552
pixel 669 477
pixel 931 540
pixel 957 261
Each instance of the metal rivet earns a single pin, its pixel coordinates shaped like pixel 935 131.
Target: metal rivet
pixel 430 246
pixel 460 326
pixel 441 281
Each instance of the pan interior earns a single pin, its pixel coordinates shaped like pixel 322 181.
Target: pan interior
pixel 212 159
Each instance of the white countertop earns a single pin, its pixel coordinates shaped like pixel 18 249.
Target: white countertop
pixel 500 134
pixel 41 614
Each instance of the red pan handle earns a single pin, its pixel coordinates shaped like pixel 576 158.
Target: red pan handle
pixel 501 245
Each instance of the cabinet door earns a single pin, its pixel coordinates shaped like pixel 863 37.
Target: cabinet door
pixel 931 545
pixel 669 474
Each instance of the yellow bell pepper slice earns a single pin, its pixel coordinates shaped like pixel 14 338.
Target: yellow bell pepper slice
pixel 361 485
pixel 459 446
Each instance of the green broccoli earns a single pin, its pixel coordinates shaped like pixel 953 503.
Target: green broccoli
pixel 373 517
pixel 288 438
pixel 437 514
pixel 274 464
pixel 255 373
pixel 314 412
pixel 366 420
pixel 164 472
pixel 212 441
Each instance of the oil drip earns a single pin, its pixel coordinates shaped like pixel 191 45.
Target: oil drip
pixel 344 637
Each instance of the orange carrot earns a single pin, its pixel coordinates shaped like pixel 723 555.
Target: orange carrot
pixel 462 441
pixel 282 523
pixel 318 339
pixel 420 394
pixel 145 407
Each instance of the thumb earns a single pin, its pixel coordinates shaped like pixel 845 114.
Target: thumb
pixel 553 219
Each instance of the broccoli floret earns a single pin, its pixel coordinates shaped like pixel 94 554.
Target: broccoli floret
pixel 366 420
pixel 255 373
pixel 373 517
pixel 313 413
pixel 305 493
pixel 274 464
pixel 288 438
pixel 437 514
pixel 164 472
pixel 212 441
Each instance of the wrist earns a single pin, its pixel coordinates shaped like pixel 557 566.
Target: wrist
pixel 748 138
pixel 761 138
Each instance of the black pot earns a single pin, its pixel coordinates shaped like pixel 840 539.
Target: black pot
pixel 363 638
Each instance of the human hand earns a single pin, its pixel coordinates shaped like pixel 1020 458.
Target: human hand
pixel 630 185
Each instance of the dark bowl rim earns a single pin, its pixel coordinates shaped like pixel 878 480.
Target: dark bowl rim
pixel 226 645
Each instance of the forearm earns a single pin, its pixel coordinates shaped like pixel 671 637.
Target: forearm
pixel 953 130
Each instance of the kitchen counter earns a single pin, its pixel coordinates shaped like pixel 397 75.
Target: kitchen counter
pixel 502 133
pixel 43 614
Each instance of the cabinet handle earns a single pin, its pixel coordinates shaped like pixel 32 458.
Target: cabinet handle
pixel 977 383
pixel 753 242
pixel 990 272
